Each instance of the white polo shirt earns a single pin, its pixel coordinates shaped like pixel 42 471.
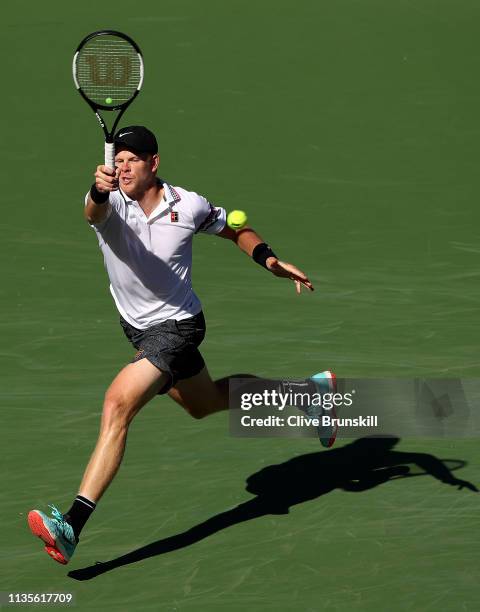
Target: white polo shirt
pixel 149 260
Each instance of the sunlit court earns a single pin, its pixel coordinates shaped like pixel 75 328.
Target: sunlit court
pixel 321 158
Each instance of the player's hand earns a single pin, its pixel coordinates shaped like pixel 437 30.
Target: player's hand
pixel 106 179
pixel 286 270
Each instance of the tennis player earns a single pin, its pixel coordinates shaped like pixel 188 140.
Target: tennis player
pixel 145 229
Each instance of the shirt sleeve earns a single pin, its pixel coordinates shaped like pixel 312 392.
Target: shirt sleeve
pixel 114 203
pixel 208 218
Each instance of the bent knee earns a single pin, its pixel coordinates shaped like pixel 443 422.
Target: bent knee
pixel 117 411
pixel 199 410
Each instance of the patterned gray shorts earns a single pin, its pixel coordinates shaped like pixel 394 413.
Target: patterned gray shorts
pixel 172 346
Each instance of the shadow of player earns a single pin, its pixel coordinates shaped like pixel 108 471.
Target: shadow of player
pixel 359 466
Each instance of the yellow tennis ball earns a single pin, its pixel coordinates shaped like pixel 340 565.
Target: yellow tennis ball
pixel 237 219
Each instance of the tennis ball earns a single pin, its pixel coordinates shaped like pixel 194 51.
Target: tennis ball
pixel 108 100
pixel 237 219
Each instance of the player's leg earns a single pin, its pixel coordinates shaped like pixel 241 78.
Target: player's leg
pixel 200 395
pixel 133 387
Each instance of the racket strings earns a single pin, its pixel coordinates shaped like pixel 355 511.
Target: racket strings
pixel 108 68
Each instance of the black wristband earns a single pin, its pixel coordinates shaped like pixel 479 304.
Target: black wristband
pixel 99 197
pixel 261 253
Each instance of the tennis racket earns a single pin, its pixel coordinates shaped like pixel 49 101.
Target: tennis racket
pixel 108 74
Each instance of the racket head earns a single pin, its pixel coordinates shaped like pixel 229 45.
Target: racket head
pixel 108 65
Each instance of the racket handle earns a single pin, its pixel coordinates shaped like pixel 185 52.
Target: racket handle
pixel 110 155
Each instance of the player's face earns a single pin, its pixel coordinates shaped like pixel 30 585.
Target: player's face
pixel 136 171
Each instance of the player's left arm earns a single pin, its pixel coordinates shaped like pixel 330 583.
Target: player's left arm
pixel 254 246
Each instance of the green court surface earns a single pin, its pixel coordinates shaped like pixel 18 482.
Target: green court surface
pixel 349 132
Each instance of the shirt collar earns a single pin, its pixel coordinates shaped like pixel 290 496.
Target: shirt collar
pixel 170 195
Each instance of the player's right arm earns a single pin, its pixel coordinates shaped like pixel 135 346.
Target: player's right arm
pixel 106 181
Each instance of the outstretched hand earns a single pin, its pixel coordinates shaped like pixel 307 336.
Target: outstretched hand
pixel 287 270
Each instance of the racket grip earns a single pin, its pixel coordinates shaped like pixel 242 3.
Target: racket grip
pixel 110 155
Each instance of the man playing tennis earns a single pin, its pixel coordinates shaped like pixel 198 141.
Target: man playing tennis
pixel 145 229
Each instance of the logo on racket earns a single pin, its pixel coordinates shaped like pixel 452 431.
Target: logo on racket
pixel 112 71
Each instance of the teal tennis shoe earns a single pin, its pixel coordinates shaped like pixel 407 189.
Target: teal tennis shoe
pixel 325 382
pixel 56 532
